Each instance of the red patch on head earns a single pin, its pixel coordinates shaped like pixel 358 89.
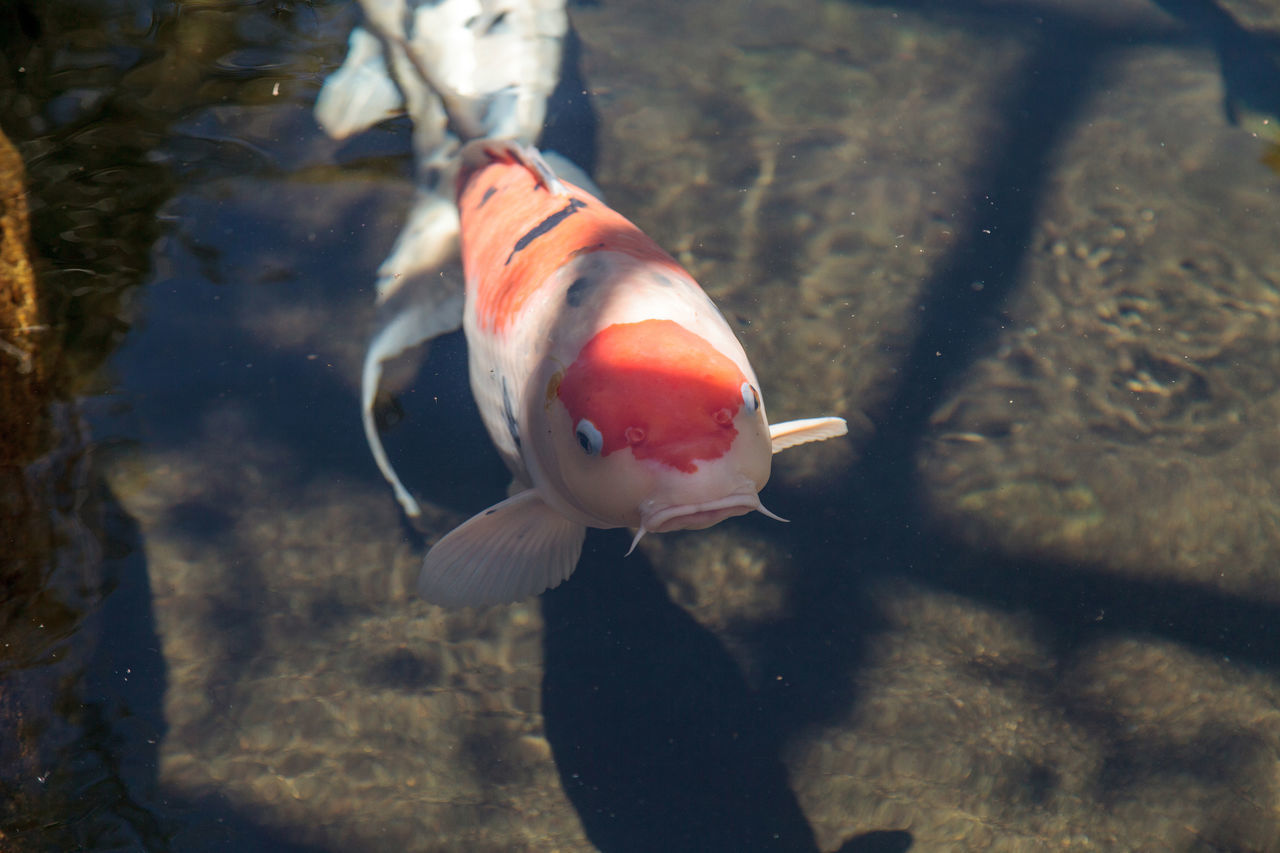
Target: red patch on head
pixel 657 388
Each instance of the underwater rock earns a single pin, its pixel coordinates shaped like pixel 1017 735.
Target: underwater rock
pixel 24 389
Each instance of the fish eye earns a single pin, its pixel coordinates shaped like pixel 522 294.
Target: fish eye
pixel 750 398
pixel 589 437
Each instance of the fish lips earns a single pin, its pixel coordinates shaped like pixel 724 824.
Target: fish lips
pixel 698 516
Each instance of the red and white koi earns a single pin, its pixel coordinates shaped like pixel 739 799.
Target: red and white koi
pixel 614 390
pixel 612 386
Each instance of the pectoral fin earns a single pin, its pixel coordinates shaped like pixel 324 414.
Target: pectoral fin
pixel 512 550
pixel 791 433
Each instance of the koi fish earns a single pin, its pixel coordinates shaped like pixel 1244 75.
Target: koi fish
pixel 483 68
pixel 613 388
pixel 610 384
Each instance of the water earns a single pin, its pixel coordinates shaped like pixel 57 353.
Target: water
pixel 1031 605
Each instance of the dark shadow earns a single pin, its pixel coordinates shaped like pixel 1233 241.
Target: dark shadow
pixel 121 714
pixel 874 516
pixel 962 299
pixel 88 715
pixel 211 825
pixel 122 699
pixel 962 313
pixel 660 743
pixel 571 124
pixel 883 841
pixel 1250 61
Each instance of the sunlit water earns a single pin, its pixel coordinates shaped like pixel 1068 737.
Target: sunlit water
pixel 1031 605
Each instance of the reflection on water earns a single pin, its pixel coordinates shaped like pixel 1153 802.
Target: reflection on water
pixel 1033 608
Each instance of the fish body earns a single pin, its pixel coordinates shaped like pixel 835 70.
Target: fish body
pixel 610 383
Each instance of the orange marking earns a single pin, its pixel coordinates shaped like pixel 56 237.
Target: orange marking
pixel 657 388
pixel 507 258
pixel 553 386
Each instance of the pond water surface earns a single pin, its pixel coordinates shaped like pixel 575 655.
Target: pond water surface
pixel 1030 603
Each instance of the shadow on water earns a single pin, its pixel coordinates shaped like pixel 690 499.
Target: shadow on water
pixel 891 535
pixel 1250 61
pixel 962 314
pixel 81 678
pixel 659 741
pixel 571 124
pixel 87 714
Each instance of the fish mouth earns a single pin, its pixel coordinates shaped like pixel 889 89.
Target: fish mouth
pixel 700 515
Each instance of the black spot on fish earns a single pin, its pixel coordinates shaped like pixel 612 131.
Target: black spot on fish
pixel 508 411
pixel 488 194
pixel 586 250
pixel 545 226
pixel 431 178
pixel 578 291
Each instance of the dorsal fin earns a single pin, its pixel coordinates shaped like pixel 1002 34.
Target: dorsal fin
pixel 480 152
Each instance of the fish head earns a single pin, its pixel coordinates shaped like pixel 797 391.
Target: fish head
pixel 651 426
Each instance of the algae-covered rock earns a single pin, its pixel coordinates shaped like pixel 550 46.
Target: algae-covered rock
pixel 24 371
